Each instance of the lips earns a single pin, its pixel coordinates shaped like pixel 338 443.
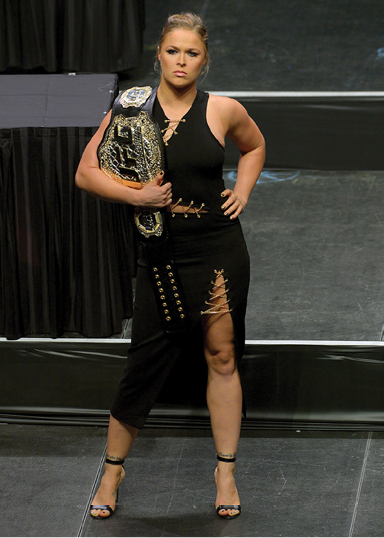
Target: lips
pixel 180 73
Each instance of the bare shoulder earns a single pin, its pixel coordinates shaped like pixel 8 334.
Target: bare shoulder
pixel 229 109
pixel 236 122
pixel 231 115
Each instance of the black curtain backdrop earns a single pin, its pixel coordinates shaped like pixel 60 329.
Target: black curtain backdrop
pixel 66 259
pixel 98 36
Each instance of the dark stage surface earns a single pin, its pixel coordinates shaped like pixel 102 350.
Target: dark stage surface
pixel 259 45
pixel 316 244
pixel 290 484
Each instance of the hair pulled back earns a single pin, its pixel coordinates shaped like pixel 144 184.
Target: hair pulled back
pixel 185 21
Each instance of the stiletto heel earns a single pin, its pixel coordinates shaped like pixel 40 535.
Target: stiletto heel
pixel 228 506
pixel 107 506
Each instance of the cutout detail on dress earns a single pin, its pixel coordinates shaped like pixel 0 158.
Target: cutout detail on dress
pixel 218 302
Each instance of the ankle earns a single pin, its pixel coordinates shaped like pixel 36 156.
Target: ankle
pixel 226 465
pixel 224 476
pixel 112 472
pixel 113 467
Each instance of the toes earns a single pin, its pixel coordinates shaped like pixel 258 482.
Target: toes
pixel 100 513
pixel 225 512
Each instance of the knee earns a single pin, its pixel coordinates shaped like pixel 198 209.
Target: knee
pixel 222 361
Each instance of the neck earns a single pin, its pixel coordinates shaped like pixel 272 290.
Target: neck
pixel 168 94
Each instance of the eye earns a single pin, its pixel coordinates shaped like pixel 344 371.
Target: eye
pixel 193 54
pixel 171 51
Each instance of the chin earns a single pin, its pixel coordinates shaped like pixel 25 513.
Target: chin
pixel 182 81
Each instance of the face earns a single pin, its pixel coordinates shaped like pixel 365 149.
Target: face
pixel 182 55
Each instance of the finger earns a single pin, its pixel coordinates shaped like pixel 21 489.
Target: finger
pixel 231 198
pixel 159 178
pixel 167 192
pixel 167 186
pixel 166 198
pixel 234 210
pixel 240 209
pixel 226 192
pixel 229 210
pixel 235 214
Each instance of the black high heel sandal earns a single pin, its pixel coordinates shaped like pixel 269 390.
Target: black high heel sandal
pixel 228 506
pixel 106 506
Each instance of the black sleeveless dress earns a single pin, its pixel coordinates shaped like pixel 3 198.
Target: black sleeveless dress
pixel 204 242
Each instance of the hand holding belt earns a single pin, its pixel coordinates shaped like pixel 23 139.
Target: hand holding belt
pixel 132 153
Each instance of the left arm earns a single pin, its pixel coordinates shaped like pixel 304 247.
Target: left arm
pixel 243 131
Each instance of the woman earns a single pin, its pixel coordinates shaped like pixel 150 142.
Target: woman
pixel 208 248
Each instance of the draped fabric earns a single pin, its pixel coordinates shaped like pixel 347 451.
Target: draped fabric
pixel 102 35
pixel 71 35
pixel 29 34
pixel 66 258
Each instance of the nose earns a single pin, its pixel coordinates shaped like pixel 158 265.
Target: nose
pixel 181 61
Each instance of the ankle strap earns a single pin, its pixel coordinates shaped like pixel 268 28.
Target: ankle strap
pixel 226 460
pixel 114 462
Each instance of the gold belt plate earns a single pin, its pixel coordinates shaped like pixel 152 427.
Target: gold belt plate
pixel 131 151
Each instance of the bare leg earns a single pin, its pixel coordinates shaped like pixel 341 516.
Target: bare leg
pixel 119 442
pixel 224 399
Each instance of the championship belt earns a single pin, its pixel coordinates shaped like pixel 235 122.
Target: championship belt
pixel 132 153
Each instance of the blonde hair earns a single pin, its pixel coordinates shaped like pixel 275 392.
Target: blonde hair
pixel 185 21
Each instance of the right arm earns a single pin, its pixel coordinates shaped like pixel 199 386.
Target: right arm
pixel 90 178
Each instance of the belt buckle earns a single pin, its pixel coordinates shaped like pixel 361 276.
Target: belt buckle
pixel 149 223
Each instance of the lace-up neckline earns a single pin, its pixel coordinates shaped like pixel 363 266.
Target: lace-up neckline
pixel 173 124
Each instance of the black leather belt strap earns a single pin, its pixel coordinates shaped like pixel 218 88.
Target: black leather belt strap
pixel 162 268
pixel 165 281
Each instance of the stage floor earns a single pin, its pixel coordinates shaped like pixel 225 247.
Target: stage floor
pixel 316 244
pixel 290 483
